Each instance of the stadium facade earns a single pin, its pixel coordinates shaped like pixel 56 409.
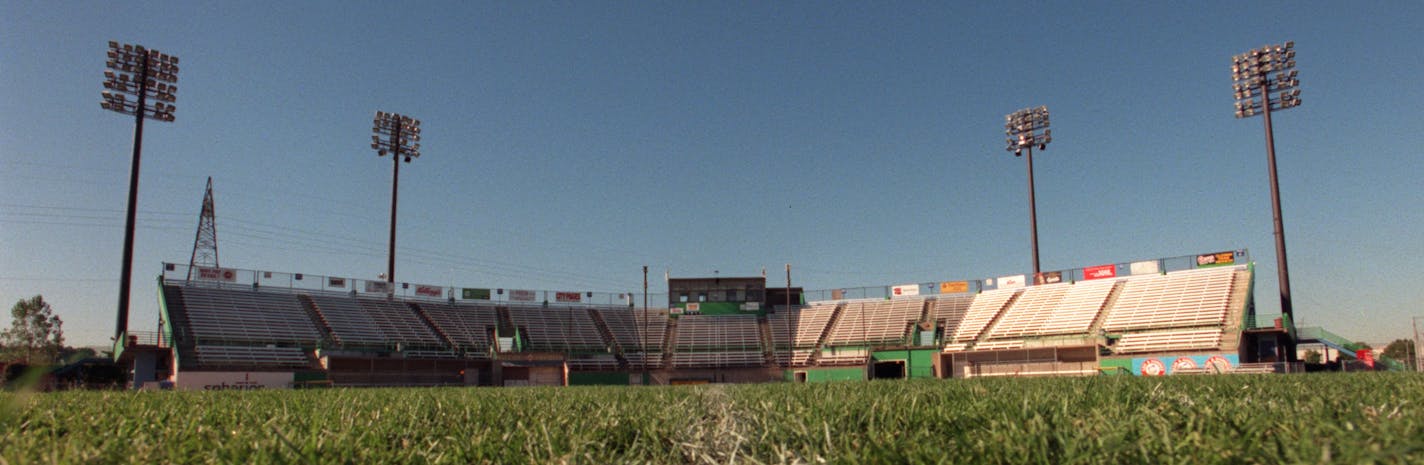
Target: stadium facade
pixel 227 328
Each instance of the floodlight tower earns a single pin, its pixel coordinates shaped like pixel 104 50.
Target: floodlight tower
pixel 1021 129
pixel 144 74
pixel 402 141
pixel 1257 74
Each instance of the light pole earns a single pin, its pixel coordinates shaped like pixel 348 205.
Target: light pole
pixel 134 71
pixel 402 140
pixel 1021 129
pixel 1257 74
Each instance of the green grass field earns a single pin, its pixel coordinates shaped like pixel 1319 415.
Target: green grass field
pixel 1346 418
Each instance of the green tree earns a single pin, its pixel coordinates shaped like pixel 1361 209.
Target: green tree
pixel 1401 350
pixel 1313 356
pixel 36 335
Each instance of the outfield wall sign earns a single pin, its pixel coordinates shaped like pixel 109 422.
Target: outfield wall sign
pixel 231 380
pixel 905 290
pixel 1006 282
pixel 954 287
pixel 1168 364
pixel 568 297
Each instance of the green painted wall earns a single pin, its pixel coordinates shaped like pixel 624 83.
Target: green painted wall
pixel 578 378
pixel 1116 366
pixel 918 363
pixel 820 375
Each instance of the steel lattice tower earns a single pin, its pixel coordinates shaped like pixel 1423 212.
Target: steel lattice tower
pixel 205 244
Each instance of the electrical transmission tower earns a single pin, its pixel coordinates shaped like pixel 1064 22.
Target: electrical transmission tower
pixel 205 245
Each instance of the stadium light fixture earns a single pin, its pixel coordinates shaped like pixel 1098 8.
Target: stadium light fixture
pixel 1265 80
pixel 1023 130
pixel 396 135
pixel 138 81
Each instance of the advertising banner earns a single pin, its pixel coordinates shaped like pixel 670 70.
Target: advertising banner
pixel 217 274
pixel 1145 267
pixel 380 287
pixel 1007 282
pixel 1168 364
pixel 428 291
pixel 905 289
pixel 521 295
pixel 231 380
pixel 480 294
pixel 568 297
pixel 1216 259
pixel 694 307
pixel 954 287
pixel 1051 277
pixel 1100 272
pixel 335 282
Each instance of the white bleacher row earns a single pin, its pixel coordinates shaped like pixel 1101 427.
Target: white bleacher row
pixel 1178 299
pixel 876 321
pixel 980 313
pixel 249 356
pixel 467 325
pixel 630 328
pixel 1053 309
pixel 236 315
pixel 725 358
pixel 798 357
pixel 722 332
pixel 1155 341
pixel 1000 345
pixel 844 357
pixel 558 329
pixel 802 326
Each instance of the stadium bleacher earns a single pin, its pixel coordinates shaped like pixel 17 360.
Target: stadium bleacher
pixel 717 341
pixel 244 316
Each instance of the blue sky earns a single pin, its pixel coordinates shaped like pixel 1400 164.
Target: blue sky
pixel 569 143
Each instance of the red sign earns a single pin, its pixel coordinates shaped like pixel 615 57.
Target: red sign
pixel 1366 356
pixel 1100 272
pixel 428 291
pixel 568 297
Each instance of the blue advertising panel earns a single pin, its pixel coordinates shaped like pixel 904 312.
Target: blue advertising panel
pixel 1167 364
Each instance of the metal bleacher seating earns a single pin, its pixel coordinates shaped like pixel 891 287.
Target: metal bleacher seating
pixel 226 316
pixel 399 323
pixel 981 312
pixel 1173 300
pixel 717 341
pixel 251 356
pixel 949 310
pixel 1155 341
pixel 630 330
pixel 468 326
pixel 799 329
pixel 1053 309
pixel 567 329
pixel 876 322
pixel 372 322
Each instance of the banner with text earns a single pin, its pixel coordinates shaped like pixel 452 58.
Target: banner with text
pixel 905 290
pixel 1050 277
pixel 1007 282
pixel 229 380
pixel 380 287
pixel 1168 364
pixel 954 287
pixel 1216 259
pixel 217 274
pixel 479 294
pixel 1100 272
pixel 428 291
pixel 568 297
pixel 335 282
pixel 1146 267
pixel 521 295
